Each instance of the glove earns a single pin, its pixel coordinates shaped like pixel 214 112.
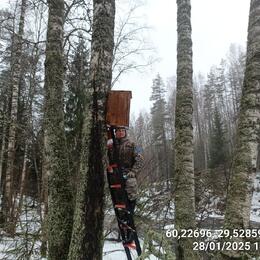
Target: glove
pixel 131 188
pixel 109 143
pixel 130 175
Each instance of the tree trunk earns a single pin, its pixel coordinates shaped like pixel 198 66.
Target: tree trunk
pixel 44 199
pixel 2 153
pixel 87 238
pixel 244 165
pixel 184 169
pixel 28 129
pixel 200 141
pixel 60 210
pixel 18 207
pixel 15 79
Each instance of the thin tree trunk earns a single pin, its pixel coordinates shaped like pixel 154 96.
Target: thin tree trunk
pixel 244 165
pixel 44 200
pixel 15 79
pixel 206 154
pixel 60 208
pixel 87 238
pixel 184 168
pixel 18 208
pixel 2 153
pixel 201 145
pixel 27 136
pixel 166 153
pixel 4 112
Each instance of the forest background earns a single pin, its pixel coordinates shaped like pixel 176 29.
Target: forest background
pixel 216 108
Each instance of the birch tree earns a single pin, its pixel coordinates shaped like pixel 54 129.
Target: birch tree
pixel 184 170
pixel 87 237
pixel 4 79
pixel 27 134
pixel 17 45
pixel 245 159
pixel 59 193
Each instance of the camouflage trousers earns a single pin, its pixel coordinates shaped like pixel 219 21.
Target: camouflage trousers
pixel 131 188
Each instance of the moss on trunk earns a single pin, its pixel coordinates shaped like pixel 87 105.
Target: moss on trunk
pixel 60 209
pixel 246 152
pixel 184 172
pixel 87 238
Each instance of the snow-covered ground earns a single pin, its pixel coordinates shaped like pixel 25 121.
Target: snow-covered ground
pixel 212 210
pixel 15 248
pixel 27 239
pixel 29 227
pixel 115 251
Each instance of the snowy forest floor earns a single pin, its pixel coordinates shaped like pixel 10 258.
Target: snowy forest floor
pixel 154 214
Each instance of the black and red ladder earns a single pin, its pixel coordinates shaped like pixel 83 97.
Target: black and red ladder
pixel 116 182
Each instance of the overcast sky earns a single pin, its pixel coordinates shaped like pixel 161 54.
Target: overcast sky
pixel 215 25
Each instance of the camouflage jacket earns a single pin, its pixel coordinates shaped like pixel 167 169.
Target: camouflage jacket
pixel 127 155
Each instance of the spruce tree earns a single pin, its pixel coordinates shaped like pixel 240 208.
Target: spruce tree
pixel 158 122
pixel 76 100
pixel 158 109
pixel 218 153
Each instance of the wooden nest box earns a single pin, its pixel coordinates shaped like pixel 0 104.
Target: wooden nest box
pixel 118 108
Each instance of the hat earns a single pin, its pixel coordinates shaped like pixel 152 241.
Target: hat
pixel 120 127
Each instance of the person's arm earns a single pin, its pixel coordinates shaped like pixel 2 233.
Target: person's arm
pixel 138 162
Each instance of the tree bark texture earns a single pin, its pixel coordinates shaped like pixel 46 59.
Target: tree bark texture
pixel 18 206
pixel 87 238
pixel 27 135
pixel 2 153
pixel 60 210
pixel 15 80
pixel 245 159
pixel 184 169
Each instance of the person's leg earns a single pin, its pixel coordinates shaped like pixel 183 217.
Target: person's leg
pixel 130 235
pixel 132 204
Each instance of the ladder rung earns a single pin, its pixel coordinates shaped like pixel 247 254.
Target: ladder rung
pixel 120 206
pixel 116 186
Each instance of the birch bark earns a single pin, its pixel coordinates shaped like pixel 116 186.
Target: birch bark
pixel 246 152
pixel 184 169
pixel 15 80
